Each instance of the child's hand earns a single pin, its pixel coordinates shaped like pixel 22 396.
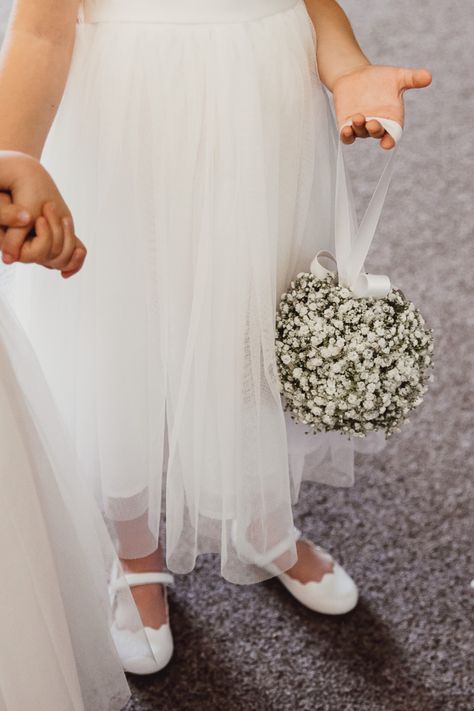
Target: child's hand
pixel 55 245
pixel 39 249
pixel 374 91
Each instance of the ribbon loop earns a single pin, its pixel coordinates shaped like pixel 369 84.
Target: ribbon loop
pixel 366 285
pixel 323 264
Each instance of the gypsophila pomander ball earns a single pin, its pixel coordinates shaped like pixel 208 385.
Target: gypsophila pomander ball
pixel 350 364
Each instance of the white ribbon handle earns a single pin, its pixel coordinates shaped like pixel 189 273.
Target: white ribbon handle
pixel 352 249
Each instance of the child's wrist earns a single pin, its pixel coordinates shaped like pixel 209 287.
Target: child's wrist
pixel 345 69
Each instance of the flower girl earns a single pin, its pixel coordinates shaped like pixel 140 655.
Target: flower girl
pixel 196 146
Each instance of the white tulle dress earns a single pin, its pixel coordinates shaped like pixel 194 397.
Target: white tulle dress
pixel 56 648
pixel 196 147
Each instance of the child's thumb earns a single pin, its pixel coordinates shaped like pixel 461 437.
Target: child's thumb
pixel 14 216
pixel 415 79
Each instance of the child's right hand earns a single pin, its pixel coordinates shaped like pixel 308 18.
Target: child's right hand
pixel 54 245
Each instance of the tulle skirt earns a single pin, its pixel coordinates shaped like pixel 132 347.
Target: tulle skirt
pixel 196 147
pixel 56 648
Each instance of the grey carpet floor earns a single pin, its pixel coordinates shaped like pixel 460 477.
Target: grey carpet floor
pixel 405 530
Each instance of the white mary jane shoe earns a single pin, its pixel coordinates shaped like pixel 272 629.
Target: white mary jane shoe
pixel 335 594
pixel 140 655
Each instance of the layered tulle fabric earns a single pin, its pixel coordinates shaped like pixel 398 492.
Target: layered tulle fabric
pixel 198 159
pixel 56 649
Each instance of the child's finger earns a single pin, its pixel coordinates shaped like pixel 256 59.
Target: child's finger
pixel 13 215
pixel 375 129
pixel 50 212
pixel 347 135
pixel 9 218
pixel 13 242
pixel 387 142
pixel 81 246
pixel 359 126
pixel 37 250
pixel 4 200
pixel 68 244
pixel 77 261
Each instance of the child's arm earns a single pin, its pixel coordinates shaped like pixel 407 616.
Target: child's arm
pixel 27 191
pixel 359 88
pixel 34 64
pixel 338 50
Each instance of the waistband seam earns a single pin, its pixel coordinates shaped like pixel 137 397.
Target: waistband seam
pixel 100 19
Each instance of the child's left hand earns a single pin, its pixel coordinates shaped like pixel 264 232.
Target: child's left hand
pixel 54 245
pixel 48 230
pixel 374 91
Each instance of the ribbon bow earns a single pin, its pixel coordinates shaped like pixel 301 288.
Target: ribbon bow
pixel 352 249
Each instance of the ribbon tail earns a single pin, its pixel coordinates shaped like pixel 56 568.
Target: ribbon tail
pixel 371 285
pixel 370 221
pixel 344 227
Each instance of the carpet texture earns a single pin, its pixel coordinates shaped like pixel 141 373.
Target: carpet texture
pixel 405 530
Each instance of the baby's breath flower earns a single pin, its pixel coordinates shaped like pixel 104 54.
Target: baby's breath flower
pixel 347 364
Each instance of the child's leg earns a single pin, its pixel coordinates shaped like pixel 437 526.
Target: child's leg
pixel 133 536
pixel 311 564
pixel 149 599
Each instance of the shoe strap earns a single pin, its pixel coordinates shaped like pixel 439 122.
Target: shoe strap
pixel 135 579
pixel 247 552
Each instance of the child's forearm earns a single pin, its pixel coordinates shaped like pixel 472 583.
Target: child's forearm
pixel 33 70
pixel 338 51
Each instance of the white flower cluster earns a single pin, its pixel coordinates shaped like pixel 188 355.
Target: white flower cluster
pixel 350 364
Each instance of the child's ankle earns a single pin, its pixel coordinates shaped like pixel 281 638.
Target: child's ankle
pixel 147 564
